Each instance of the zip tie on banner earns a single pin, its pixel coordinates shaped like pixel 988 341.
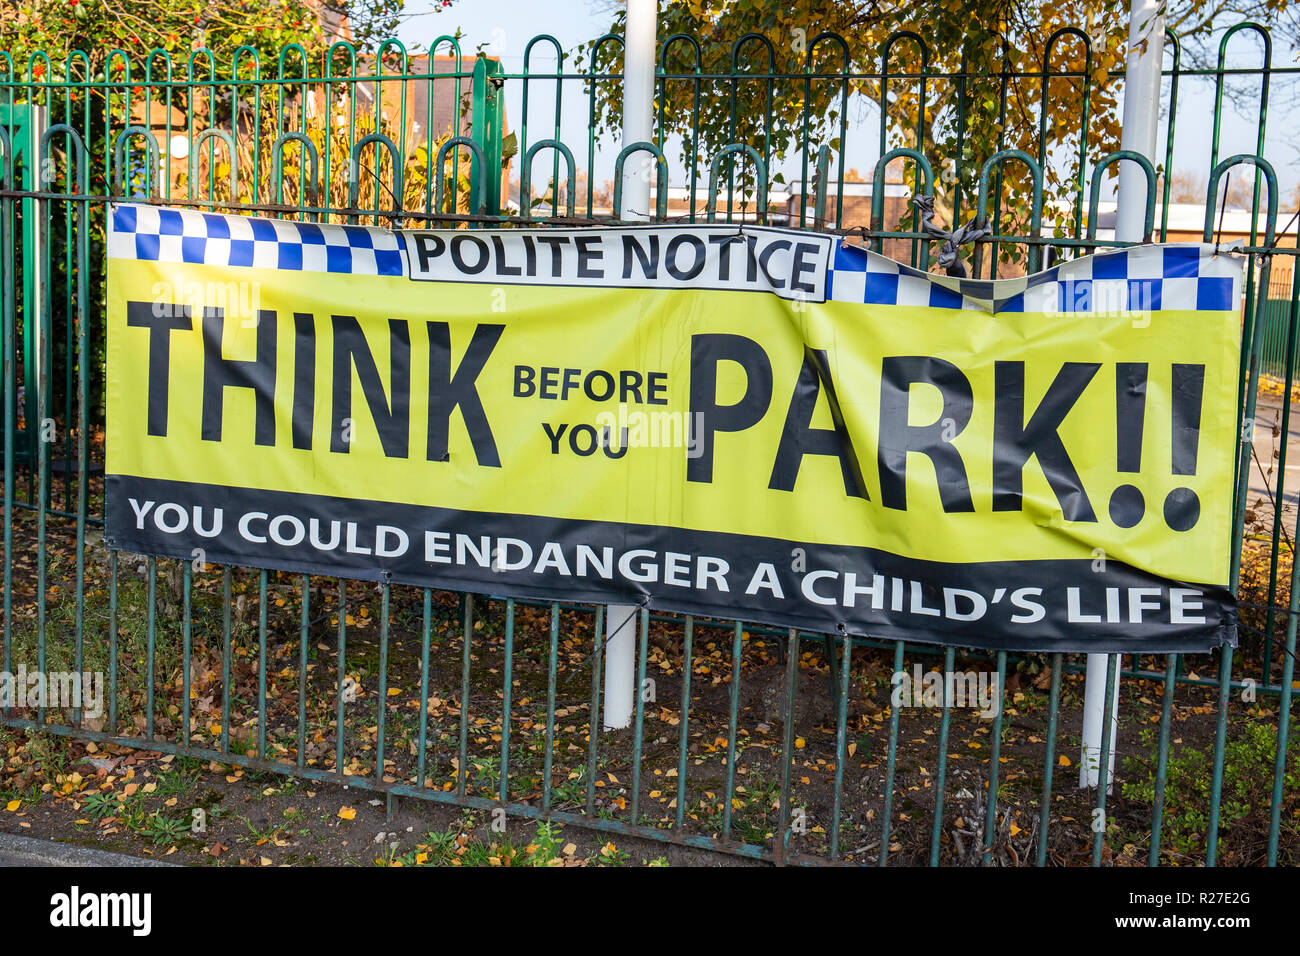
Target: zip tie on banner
pixel 1223 208
pixel 645 603
pixel 1277 236
pixel 973 231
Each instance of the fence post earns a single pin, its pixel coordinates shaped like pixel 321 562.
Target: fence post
pixel 34 239
pixel 485 129
pixel 638 127
pixel 1146 40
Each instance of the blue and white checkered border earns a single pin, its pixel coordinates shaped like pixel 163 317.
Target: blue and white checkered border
pixel 1182 276
pixel 158 234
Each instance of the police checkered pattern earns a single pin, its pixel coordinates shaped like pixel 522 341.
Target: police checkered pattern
pixel 1144 278
pixel 189 236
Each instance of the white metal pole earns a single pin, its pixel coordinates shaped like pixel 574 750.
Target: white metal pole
pixel 1141 113
pixel 1094 696
pixel 620 665
pixel 1146 41
pixel 638 106
pixel 638 118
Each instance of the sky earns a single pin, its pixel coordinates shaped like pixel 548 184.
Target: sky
pixel 503 28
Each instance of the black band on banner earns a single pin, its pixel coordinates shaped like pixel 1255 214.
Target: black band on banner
pixel 1032 605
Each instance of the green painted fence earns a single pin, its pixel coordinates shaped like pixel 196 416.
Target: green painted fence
pixel 770 744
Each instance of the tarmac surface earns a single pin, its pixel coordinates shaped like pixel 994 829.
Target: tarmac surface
pixel 18 851
pixel 1268 416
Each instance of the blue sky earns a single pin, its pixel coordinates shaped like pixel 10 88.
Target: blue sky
pixel 504 27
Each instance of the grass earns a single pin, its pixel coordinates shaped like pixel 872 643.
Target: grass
pixel 164 829
pixel 456 847
pixel 1247 792
pixel 59 648
pixel 97 806
pixel 753 816
pixel 181 779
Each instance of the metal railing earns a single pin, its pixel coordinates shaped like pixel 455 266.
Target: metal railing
pixel 771 744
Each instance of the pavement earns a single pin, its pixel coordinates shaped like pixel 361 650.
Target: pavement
pixel 1268 415
pixel 28 851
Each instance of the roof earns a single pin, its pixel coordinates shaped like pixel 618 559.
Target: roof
pixel 437 73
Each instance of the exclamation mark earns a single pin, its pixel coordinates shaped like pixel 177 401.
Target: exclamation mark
pixel 1127 505
pixel 1183 507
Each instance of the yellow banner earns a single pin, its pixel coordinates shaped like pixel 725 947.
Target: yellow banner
pixel 823 438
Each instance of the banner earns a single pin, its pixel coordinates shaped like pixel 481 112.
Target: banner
pixel 721 420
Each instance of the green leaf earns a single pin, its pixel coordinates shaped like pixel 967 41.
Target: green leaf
pixel 509 147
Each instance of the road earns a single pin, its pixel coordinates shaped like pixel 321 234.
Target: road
pixel 1268 418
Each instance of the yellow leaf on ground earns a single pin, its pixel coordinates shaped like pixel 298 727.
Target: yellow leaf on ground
pixel 347 813
pixel 13 805
pixel 1064 761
